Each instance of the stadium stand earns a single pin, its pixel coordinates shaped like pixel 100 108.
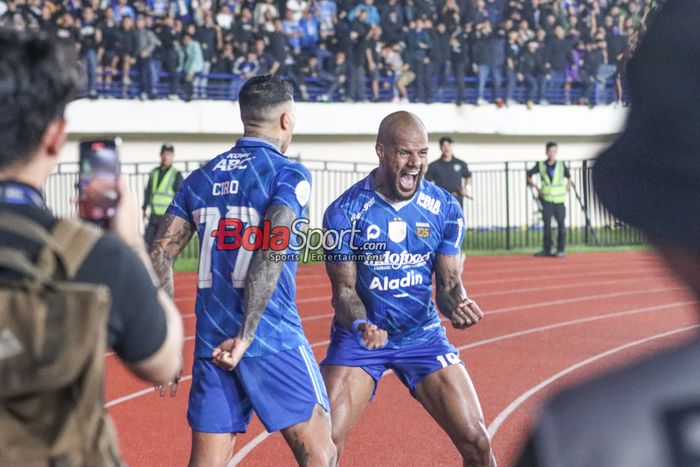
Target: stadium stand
pixel 463 51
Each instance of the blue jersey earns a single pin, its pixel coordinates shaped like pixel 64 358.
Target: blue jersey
pixel 395 283
pixel 240 185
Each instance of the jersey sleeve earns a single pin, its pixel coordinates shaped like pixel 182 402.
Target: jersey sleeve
pixel 452 230
pixel 292 188
pixel 337 219
pixel 180 206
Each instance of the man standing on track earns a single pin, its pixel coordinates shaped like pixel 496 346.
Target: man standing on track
pixel 552 194
pixel 647 413
pixel 163 183
pixel 384 315
pixel 250 350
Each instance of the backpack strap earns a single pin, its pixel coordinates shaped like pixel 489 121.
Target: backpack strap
pixel 19 262
pixel 75 241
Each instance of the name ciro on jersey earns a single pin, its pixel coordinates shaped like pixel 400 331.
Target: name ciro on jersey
pixel 385 284
pixel 390 260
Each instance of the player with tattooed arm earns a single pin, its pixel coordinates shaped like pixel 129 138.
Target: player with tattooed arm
pixel 250 350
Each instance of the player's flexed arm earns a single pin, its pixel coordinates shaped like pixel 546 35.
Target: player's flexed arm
pixel 450 296
pixel 261 282
pixel 350 312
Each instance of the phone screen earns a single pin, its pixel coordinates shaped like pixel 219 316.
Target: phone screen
pixel 98 193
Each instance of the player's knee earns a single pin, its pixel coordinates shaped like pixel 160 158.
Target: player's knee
pixel 338 444
pixel 475 440
pixel 324 455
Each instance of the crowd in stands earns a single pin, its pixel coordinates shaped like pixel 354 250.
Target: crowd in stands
pixel 476 51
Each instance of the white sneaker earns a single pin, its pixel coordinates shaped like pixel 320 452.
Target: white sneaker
pixel 395 100
pixel 511 102
pixel 481 101
pixel 172 97
pixel 405 100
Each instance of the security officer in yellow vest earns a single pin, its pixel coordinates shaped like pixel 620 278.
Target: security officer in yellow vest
pixel 552 192
pixel 163 183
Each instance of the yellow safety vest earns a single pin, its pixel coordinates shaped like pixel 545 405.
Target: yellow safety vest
pixel 162 192
pixel 554 189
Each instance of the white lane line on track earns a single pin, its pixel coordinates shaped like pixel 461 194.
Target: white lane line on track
pixel 519 278
pixel 513 406
pixel 140 393
pixel 522 307
pixel 146 391
pixel 584 298
pixel 264 435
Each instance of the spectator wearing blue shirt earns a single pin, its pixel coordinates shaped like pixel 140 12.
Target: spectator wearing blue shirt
pixel 122 9
pixel 292 29
pixel 310 29
pixel 326 11
pixel 368 7
pixel 244 67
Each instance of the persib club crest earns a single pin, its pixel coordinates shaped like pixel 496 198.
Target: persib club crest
pixel 397 231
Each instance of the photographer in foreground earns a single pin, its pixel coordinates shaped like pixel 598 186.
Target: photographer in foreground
pixel 67 289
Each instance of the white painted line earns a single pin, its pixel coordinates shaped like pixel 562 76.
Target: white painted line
pixel 263 436
pixel 136 394
pixel 513 406
pixel 245 450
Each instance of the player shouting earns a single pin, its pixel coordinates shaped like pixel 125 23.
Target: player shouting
pixel 384 314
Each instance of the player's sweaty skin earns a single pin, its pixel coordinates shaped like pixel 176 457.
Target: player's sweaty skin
pixel 448 393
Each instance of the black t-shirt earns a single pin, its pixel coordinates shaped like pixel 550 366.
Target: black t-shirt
pixel 448 174
pixel 88 38
pixel 136 326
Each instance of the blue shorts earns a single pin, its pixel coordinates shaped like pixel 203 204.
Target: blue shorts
pixel 283 388
pixel 411 362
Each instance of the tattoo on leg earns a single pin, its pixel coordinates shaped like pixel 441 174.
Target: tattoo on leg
pixel 300 453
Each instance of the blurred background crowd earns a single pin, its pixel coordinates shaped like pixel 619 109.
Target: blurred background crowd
pixel 463 51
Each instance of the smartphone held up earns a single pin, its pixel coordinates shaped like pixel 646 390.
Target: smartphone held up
pixel 98 179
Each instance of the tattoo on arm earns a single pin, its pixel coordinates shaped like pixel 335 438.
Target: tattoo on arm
pixel 449 290
pixel 347 304
pixel 263 275
pixel 174 233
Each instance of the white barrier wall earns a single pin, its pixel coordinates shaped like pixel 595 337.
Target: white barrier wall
pixel 344 132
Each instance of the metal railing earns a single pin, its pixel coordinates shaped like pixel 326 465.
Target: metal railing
pixel 503 213
pixel 224 86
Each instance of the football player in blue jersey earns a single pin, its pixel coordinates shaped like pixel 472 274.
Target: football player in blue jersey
pixel 250 351
pixel 385 318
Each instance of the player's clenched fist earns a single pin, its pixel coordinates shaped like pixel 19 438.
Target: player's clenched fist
pixel 229 352
pixel 372 336
pixel 466 314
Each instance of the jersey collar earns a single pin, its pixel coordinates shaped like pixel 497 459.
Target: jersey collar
pixel 252 141
pixel 12 192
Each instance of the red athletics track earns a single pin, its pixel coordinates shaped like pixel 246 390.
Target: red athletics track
pixel 549 322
